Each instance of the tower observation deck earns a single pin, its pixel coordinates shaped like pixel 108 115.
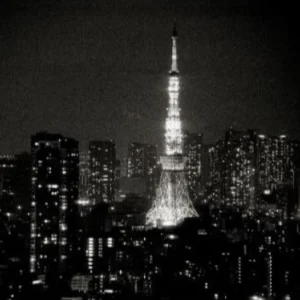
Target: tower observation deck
pixel 172 203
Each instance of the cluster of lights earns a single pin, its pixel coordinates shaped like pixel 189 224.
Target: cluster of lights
pixel 257 297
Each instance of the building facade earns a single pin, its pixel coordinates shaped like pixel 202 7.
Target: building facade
pixel 102 155
pixel 239 164
pixel 274 163
pixel 246 167
pixel 141 160
pixel 8 167
pixel 214 187
pixel 193 153
pixel 142 163
pixel 54 210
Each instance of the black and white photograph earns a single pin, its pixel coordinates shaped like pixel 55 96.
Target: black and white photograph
pixel 149 150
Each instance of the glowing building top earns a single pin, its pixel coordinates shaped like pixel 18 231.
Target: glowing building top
pixel 173 135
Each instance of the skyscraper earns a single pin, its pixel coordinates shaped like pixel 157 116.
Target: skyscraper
pixel 102 171
pixel 172 203
pixel 135 160
pixel 84 203
pixel 8 207
pixel 117 173
pixel 141 159
pixel 193 153
pixel 232 164
pixel 214 187
pixel 239 164
pixel 84 172
pixel 274 163
pixel 294 147
pixel 55 180
pixel 8 166
pixel 142 163
pixel 245 167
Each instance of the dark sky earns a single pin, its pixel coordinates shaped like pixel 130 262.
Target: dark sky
pixel 98 69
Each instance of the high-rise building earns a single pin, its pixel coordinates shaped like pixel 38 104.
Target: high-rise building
pixel 23 182
pixel 294 147
pixel 84 203
pixel 8 207
pixel 84 173
pixel 14 204
pixel 15 186
pixel 274 163
pixel 232 164
pixel 193 153
pixel 246 167
pixel 239 168
pixel 102 171
pixel 142 162
pixel 135 160
pixel 214 187
pixel 117 173
pixel 8 166
pixel 270 275
pixel 172 203
pixel 54 211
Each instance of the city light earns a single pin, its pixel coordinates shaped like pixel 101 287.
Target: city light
pixel 255 297
pixel 217 221
pixel 83 202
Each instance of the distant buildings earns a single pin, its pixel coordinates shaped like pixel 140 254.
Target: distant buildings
pixel 193 153
pixel 117 173
pixel 273 163
pixel 239 168
pixel 14 201
pixel 142 163
pixel 141 160
pixel 84 203
pixel 8 207
pixel 214 187
pixel 232 169
pixel 102 155
pixel 55 180
pixel 84 174
pixel 8 167
pixel 109 252
pixel 246 166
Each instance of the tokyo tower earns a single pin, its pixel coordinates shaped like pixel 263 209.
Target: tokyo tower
pixel 172 203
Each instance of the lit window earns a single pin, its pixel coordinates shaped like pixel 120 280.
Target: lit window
pixel 110 243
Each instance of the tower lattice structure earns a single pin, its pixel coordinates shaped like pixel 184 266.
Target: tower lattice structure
pixel 172 203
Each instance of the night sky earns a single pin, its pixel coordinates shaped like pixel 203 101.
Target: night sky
pixel 98 69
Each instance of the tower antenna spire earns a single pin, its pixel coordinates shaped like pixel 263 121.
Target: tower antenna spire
pixel 174 67
pixel 174 34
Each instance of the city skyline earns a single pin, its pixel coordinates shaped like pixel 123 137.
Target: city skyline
pixel 236 71
pixel 164 159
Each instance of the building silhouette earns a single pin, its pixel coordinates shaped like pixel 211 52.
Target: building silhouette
pixel 102 155
pixel 142 163
pixel 54 210
pixel 193 153
pixel 246 167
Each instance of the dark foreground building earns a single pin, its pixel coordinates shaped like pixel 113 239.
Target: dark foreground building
pixel 55 177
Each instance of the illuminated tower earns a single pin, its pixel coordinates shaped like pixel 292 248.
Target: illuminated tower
pixel 172 204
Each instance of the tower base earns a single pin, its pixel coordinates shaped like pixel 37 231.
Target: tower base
pixel 172 204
